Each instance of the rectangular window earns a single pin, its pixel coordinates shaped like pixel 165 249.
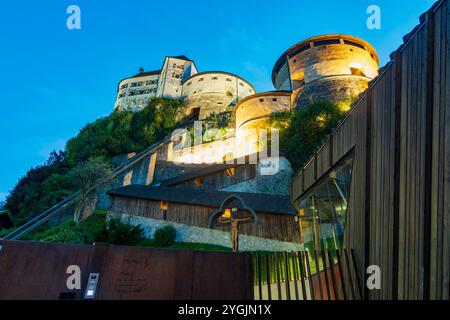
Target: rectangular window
pixel 322 210
pixel 301 49
pixel 326 42
pixel 354 44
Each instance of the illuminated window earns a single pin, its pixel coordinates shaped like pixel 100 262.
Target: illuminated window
pixel 164 205
pixel 226 216
pixel 230 172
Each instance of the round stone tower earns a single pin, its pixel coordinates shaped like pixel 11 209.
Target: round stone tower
pixel 330 67
pixel 213 92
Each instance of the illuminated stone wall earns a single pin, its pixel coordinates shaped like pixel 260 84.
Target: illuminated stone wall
pixel 332 67
pixel 214 92
pixel 134 93
pixel 253 111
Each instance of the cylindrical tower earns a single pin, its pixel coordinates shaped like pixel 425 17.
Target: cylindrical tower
pixel 214 91
pixel 330 67
pixel 252 114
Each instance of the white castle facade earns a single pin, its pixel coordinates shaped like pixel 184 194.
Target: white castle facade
pixel 204 92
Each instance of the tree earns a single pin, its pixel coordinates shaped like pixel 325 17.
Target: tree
pixel 125 131
pixel 27 199
pixel 87 177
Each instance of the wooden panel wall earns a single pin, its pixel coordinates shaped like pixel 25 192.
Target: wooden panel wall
pixel 381 168
pixel 440 193
pixel 399 208
pixel 272 226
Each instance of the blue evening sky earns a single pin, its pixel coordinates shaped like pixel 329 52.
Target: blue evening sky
pixel 54 80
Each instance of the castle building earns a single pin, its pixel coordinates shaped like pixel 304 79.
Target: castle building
pixel 328 67
pixel 214 91
pixel 134 92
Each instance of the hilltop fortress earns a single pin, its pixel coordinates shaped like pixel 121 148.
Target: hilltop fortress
pixel 184 185
pixel 331 67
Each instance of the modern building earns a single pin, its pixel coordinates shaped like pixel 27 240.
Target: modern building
pixel 380 184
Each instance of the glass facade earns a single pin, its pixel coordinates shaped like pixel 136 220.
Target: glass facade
pixel 322 210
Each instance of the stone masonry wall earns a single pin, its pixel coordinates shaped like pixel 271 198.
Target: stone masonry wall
pixel 187 233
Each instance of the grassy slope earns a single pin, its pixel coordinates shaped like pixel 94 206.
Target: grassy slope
pixel 94 225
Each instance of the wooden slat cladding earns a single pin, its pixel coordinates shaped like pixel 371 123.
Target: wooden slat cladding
pixel 412 168
pixel 272 226
pixel 401 172
pixel 440 172
pixel 381 163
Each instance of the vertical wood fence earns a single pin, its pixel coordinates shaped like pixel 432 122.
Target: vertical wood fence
pixel 305 275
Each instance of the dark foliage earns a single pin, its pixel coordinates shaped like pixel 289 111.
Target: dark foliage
pixel 42 187
pixel 117 232
pixel 302 131
pixel 165 236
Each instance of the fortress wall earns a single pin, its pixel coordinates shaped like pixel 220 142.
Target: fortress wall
pixel 329 60
pixel 214 92
pixel 174 71
pixel 277 183
pixel 334 89
pixel 329 67
pixel 211 152
pixel 260 106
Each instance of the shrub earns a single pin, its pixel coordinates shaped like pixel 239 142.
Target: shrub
pixel 117 232
pixel 302 131
pixel 67 233
pixel 165 236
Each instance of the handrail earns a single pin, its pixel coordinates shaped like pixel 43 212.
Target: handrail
pixel 67 202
